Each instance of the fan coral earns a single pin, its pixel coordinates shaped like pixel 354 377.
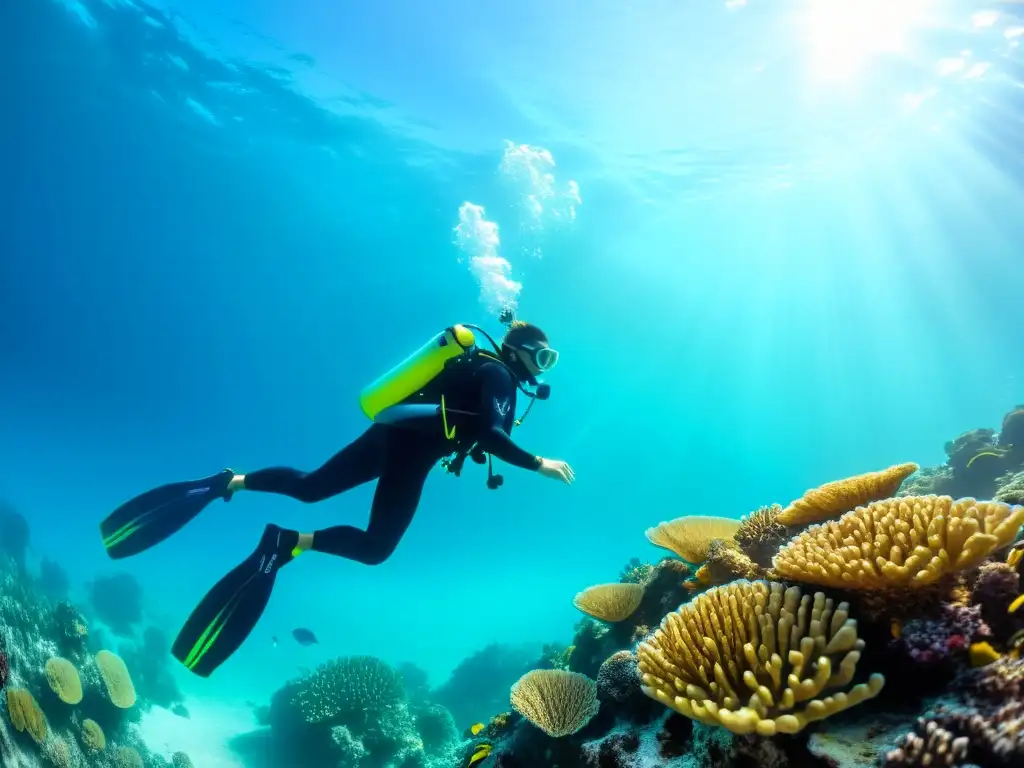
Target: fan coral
pixel 840 496
pixel 558 702
pixel 116 679
pixel 930 745
pixel 761 534
pixel 352 683
pixel 691 537
pixel 765 640
pixel 610 602
pixel 64 680
pixel 901 542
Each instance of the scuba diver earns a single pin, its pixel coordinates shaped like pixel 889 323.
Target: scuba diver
pixel 448 401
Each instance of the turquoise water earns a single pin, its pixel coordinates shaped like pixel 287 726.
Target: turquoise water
pixel 775 244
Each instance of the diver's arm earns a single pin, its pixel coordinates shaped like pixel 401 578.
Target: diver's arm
pixel 497 396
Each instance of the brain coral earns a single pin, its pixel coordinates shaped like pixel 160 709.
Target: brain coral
pixel 755 657
pixel 64 680
pixel 556 701
pixel 911 541
pixel 351 683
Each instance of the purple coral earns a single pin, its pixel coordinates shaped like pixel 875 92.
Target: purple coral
pixel 934 641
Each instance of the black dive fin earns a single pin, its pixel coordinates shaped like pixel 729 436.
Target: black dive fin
pixel 227 615
pixel 155 515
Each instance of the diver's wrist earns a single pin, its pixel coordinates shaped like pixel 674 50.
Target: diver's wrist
pixel 538 462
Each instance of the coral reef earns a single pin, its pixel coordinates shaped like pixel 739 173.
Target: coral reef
pixel 610 602
pixel 57 707
pixel 352 712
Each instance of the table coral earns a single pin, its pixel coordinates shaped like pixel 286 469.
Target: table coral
pixel 610 602
pixel 755 657
pixel 838 496
pixel 691 537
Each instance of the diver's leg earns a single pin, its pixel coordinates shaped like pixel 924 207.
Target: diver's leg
pixel 394 504
pixel 359 462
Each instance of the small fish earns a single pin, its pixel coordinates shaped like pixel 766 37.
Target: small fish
pixel 476 728
pixel 273 641
pixel 304 636
pixel 982 654
pixel 481 753
pixel 895 629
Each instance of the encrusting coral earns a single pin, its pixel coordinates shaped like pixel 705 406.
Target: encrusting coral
pixel 558 702
pixel 838 496
pixel 745 654
pixel 726 561
pixel 900 542
pixel 690 537
pixel 610 602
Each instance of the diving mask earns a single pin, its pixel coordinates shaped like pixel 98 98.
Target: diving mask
pixel 545 358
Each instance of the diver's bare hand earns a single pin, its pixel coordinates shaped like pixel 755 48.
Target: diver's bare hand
pixel 556 470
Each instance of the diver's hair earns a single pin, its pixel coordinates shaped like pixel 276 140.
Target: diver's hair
pixel 520 333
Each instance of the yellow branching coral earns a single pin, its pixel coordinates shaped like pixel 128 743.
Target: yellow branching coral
pixel 911 541
pixel 610 602
pixel 92 736
pixel 64 680
pixel 691 537
pixel 26 714
pixel 556 701
pixel 832 499
pixel 116 678
pixel 755 657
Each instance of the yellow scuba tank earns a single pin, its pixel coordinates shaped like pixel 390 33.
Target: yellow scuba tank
pixel 416 371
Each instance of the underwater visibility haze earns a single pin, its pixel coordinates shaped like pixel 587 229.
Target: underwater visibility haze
pixel 772 247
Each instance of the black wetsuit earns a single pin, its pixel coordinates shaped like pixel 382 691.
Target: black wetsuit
pixel 400 458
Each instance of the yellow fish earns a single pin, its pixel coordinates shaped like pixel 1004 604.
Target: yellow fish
pixel 982 654
pixel 481 754
pixel 895 629
pixel 1016 604
pixel 476 728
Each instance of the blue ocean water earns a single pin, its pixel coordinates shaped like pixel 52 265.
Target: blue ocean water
pixel 774 243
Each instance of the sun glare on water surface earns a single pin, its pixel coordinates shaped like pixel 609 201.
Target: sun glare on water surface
pixel 845 35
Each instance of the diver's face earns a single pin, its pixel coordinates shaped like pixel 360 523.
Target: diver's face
pixel 537 357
